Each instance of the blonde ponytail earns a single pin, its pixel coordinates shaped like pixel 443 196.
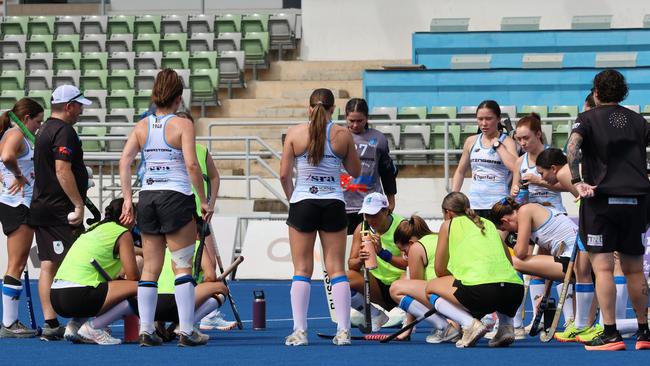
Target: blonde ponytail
pixel 476 219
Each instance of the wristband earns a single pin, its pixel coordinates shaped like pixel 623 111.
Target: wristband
pixel 385 255
pixel 576 180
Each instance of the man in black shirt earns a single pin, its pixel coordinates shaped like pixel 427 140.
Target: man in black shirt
pixel 59 189
pixel 613 141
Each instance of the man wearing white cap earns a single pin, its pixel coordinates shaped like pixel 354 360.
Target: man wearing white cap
pixel 59 189
pixel 390 262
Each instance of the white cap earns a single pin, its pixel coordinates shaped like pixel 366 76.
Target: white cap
pixel 67 94
pixel 373 203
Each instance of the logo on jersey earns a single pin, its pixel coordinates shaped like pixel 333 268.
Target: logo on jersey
pixel 64 151
pixel 372 142
pixel 320 178
pixel 313 189
pixel 58 246
pixel 149 181
pixel 594 240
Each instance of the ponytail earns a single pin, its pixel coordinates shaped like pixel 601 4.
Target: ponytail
pixel 506 206
pixel 476 219
pixel 5 122
pixel 25 106
pixel 414 226
pixel 458 203
pixel 112 213
pixel 321 101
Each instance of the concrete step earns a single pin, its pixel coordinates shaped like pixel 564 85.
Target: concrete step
pixel 266 108
pixel 321 70
pixel 292 89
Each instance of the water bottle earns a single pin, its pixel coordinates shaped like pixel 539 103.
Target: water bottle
pixel 259 310
pixel 367 245
pixel 522 196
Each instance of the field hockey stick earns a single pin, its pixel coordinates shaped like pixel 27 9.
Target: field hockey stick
pixel 100 270
pixel 30 304
pixel 233 266
pixel 367 318
pixel 202 233
pixel 231 299
pixel 534 329
pixel 548 335
pixel 526 287
pixel 365 337
pixel 409 326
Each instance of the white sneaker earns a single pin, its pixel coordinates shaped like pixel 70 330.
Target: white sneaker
pixel 216 322
pixel 297 338
pixel 342 338
pixel 505 336
pixel 449 334
pixel 520 333
pixel 71 330
pixel 471 334
pixel 378 321
pixel 89 334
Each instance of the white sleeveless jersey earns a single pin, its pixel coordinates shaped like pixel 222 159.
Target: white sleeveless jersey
pixel 557 229
pixel 490 177
pixel 26 165
pixel 321 181
pixel 164 166
pixel 539 194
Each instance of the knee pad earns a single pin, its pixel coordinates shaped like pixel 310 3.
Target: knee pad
pixel 182 258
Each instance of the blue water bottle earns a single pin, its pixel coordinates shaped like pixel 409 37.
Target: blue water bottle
pixel 522 196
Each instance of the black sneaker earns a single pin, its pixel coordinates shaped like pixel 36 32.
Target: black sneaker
pixel 602 342
pixel 149 340
pixel 195 339
pixel 642 339
pixel 52 334
pixel 17 330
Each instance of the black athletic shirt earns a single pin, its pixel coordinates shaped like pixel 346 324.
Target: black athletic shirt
pixel 614 150
pixel 56 140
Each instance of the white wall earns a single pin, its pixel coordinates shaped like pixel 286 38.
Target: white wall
pixel 381 29
pixel 187 6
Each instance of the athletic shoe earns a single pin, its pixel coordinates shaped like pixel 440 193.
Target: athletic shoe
pixel 606 343
pixel 540 327
pixel 449 334
pixel 192 340
pixel 471 334
pixel 89 334
pixel 297 338
pixel 520 333
pixel 342 338
pixel 17 330
pixel 570 333
pixel 379 320
pixel 589 334
pixel 177 331
pixel 216 322
pixel 642 340
pixel 505 336
pixel 71 331
pixel 490 321
pixel 149 340
pixel 52 334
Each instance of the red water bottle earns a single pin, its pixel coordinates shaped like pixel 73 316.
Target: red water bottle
pixel 131 328
pixel 259 310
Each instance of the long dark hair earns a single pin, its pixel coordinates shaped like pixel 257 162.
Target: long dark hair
pixel 321 101
pixel 549 157
pixel 357 105
pixel 25 106
pixel 112 213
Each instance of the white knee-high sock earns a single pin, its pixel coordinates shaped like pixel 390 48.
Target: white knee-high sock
pixel 567 309
pixel 341 297
pixel 116 312
pixel 584 297
pixel 621 297
pixel 147 300
pixel 300 292
pixel 358 303
pixel 11 290
pixel 416 309
pixel 208 306
pixel 451 311
pixel 518 320
pixel 184 296
pixel 626 326
pixel 536 291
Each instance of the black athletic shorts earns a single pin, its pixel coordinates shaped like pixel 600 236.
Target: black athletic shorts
pixel 79 302
pixel 166 309
pixel 385 295
pixel 485 299
pixel 354 219
pixel 12 217
pixel 53 242
pixel 314 214
pixel 609 224
pixel 164 212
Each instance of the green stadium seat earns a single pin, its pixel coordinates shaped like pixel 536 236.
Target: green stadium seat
pixel 442 112
pixel 94 145
pixel 41 25
pixel 466 130
pixel 176 60
pixel 119 99
pixel 147 24
pixel 142 101
pixel 65 43
pixel 120 79
pixel 560 135
pixel 204 84
pixel 646 110
pixel 564 111
pixel 94 61
pixel 412 113
pixel 255 23
pixel 146 43
pixel 67 24
pixel 449 25
pixel 256 47
pixel 8 98
pixel 39 43
pixel 14 25
pixel 120 24
pixel 336 115
pixel 67 61
pixel 227 23
pixel 173 42
pixel 541 110
pixel 94 80
pixel 173 24
pixel 12 80
pixel 438 136
pixel 43 97
pixel 520 23
pixel 203 60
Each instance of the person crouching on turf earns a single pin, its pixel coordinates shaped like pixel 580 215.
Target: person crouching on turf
pixel 414 238
pixel 209 296
pixel 475 274
pixel 391 264
pixel 79 291
pixel 555 234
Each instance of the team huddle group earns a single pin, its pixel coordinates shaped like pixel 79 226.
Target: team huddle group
pixel 512 225
pixel 344 184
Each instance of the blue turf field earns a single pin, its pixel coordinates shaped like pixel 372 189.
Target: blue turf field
pixel 249 347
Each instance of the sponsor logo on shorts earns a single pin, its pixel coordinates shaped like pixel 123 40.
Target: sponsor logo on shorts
pixel 622 201
pixel 58 246
pixel 594 240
